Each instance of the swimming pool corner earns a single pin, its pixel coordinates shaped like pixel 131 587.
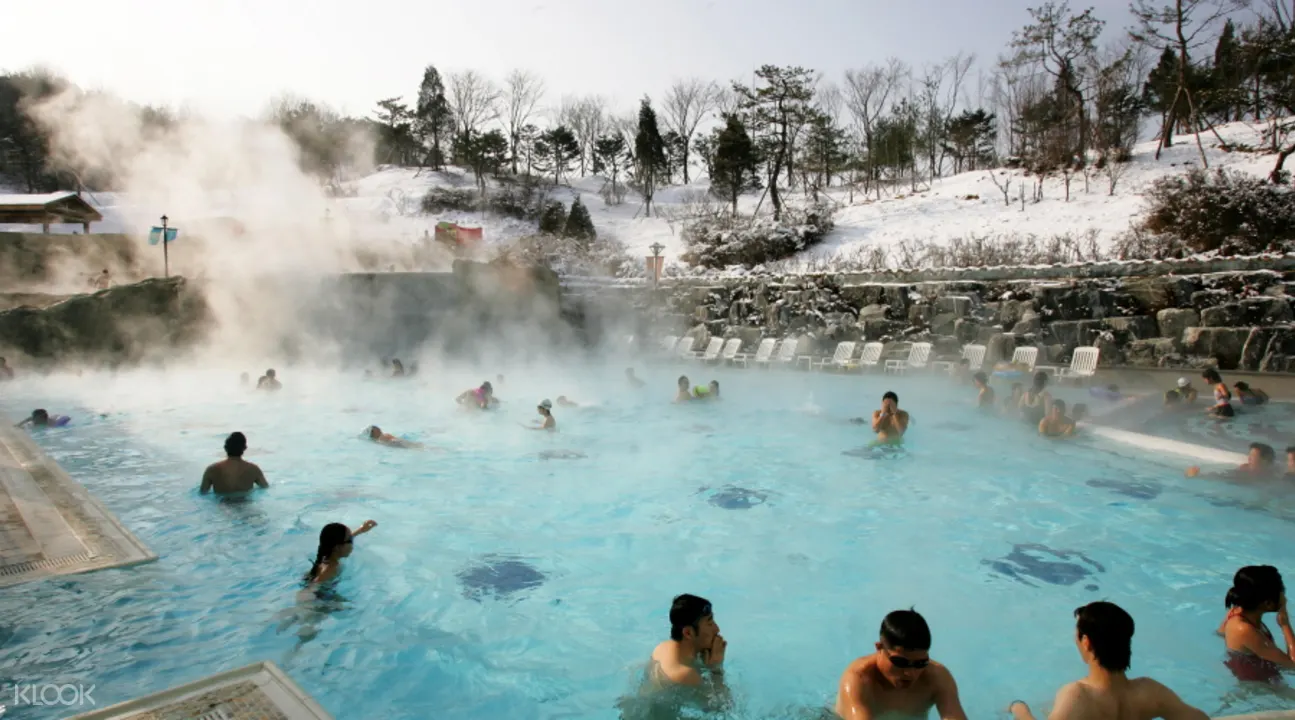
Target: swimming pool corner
pixel 50 524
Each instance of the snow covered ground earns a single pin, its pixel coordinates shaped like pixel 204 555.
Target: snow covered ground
pixel 386 204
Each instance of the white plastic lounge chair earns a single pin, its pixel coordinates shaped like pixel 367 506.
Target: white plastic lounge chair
pixel 684 348
pixel 668 342
pixel 840 359
pixel 1026 356
pixel 787 352
pixel 729 353
pixel 710 353
pixel 917 357
pixel 763 352
pixel 871 355
pixel 1083 364
pixel 973 354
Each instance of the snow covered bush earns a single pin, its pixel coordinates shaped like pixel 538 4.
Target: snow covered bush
pixel 520 198
pixel 1227 213
pixel 602 257
pixel 444 199
pixel 719 241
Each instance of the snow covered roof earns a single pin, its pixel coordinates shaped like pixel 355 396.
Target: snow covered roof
pixel 47 208
pixel 40 200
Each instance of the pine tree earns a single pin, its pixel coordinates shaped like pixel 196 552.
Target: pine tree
pixel 704 148
pixel 555 150
pixel 1227 77
pixel 1160 90
pixel 484 153
pixel 735 165
pixel 554 218
pixel 432 115
pixel 824 151
pixel 579 225
pixel 774 109
pixel 972 136
pixel 649 154
pixel 675 152
pixel 610 157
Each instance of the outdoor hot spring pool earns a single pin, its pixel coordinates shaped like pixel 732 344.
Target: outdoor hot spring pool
pixel 518 574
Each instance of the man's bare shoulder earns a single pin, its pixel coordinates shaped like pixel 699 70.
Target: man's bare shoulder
pixel 860 671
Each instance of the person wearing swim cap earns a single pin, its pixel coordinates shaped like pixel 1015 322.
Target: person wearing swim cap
pixel 545 409
pixel 233 474
pixel 683 395
pixel 481 398
pixel 376 435
pixel 1183 394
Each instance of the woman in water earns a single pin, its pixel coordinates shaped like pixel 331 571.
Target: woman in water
pixel 1249 395
pixel 1036 402
pixel 482 398
pixel 335 543
pixel 1222 406
pixel 1253 654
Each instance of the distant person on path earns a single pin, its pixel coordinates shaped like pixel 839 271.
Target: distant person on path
pixel 633 379
pixel 695 645
pixel 1184 394
pixel 1222 407
pixel 268 381
pixel 1057 423
pixel 984 398
pixel 1104 634
pixel 1260 462
pixel 684 395
pixel 481 398
pixel 335 542
pixel 1035 402
pixel 900 679
pixel 1253 654
pixel 890 423
pixel 1248 395
pixel 376 435
pixel 6 372
pixel 233 474
pixel 545 409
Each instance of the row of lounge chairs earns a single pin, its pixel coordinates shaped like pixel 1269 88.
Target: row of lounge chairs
pixel 782 353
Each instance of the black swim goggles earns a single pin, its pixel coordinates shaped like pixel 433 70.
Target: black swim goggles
pixel 904 663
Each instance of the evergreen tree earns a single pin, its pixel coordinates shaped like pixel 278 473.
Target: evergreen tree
pixel 1160 90
pixel 555 150
pixel 735 165
pixel 554 218
pixel 649 154
pixel 579 225
pixel 824 151
pixel 676 150
pixel 395 142
pixel 433 120
pixel 483 153
pixel 610 157
pixel 1227 95
pixel 971 135
pixel 704 148
pixel 781 102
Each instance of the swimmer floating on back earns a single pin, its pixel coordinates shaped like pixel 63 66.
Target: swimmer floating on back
pixel 376 435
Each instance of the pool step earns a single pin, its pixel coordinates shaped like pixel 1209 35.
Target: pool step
pixel 260 691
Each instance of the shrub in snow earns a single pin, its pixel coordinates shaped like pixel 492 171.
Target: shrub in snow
pixel 443 199
pixel 579 225
pixel 1221 212
pixel 553 219
pixel 603 257
pixel 520 198
pixel 718 241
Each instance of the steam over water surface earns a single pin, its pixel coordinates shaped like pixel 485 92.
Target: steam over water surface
pixel 518 574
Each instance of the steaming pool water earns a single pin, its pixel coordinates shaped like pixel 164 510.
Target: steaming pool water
pixel 526 575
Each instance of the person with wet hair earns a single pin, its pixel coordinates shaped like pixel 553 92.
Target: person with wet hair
pixel 1104 636
pixel 695 650
pixel 335 542
pixel 890 423
pixel 269 381
pixel 1036 403
pixel 1248 395
pixel 1222 407
pixel 382 438
pixel 6 372
pixel 1057 423
pixel 1261 462
pixel 233 475
pixel 633 379
pixel 1253 653
pixel 480 398
pixel 985 394
pixel 684 394
pixel 899 679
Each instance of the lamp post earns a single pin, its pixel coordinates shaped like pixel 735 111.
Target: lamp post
pixel 166 259
pixel 656 249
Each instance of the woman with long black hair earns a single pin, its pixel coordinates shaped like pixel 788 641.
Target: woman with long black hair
pixel 335 543
pixel 1253 653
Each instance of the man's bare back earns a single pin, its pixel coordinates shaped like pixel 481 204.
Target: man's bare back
pixel 865 694
pixel 232 475
pixel 1137 699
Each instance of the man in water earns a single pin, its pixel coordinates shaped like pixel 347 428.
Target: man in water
pixel 1056 424
pixel 382 438
pixel 38 418
pixel 633 379
pixel 985 399
pixel 233 474
pixel 1104 634
pixel 900 679
pixel 695 645
pixel 890 423
pixel 684 395
pixel 6 372
pixel 268 381
pixel 1260 463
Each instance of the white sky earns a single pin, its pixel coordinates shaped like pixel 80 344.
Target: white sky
pixel 232 56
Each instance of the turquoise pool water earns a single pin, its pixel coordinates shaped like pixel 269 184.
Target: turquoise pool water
pixel 1272 423
pixel 503 584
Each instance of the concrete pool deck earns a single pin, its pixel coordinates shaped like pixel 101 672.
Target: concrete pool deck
pixel 260 691
pixel 49 523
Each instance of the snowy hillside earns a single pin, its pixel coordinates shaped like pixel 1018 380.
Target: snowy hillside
pixel 386 204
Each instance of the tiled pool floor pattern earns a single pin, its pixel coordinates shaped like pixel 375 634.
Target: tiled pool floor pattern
pixel 256 692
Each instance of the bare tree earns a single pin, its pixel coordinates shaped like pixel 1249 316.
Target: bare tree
pixel 684 106
pixel 522 93
pixel 867 96
pixel 1061 42
pixel 1183 25
pixel 727 102
pixel 474 101
pixel 587 118
pixel 1004 187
